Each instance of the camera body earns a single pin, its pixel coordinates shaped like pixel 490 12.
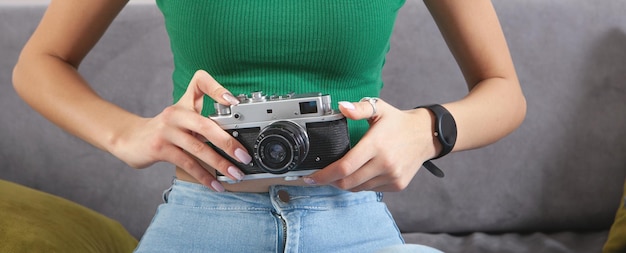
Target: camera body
pixel 288 136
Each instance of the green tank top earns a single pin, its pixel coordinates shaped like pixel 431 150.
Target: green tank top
pixel 335 47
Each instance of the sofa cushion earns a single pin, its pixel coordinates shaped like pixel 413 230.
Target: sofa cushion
pixel 557 242
pixel 617 235
pixel 34 221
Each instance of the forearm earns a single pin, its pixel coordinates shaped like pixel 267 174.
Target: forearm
pixel 495 105
pixel 46 75
pixel 494 108
pixel 55 89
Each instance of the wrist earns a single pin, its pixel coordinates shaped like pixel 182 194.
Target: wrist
pixel 118 136
pixel 443 134
pixel 444 129
pixel 426 122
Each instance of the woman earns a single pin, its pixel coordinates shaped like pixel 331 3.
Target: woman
pixel 230 47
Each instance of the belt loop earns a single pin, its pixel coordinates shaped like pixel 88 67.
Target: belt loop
pixel 166 194
pixel 167 191
pixel 379 196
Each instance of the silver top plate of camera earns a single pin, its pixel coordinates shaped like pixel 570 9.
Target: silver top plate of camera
pixel 258 108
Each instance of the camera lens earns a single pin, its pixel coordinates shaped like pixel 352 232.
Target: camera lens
pixel 280 147
pixel 275 153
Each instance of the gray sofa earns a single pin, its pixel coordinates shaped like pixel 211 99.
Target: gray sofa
pixel 551 186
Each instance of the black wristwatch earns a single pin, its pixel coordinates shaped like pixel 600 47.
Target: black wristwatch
pixel 445 131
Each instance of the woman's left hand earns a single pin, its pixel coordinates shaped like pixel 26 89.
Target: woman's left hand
pixel 389 154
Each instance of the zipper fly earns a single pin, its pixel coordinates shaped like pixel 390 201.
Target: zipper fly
pixel 283 224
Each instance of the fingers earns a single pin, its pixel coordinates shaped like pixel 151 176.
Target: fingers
pixel 204 129
pixel 379 161
pixel 342 168
pixel 371 109
pixel 375 174
pixel 203 83
pixel 339 172
pixel 197 129
pixel 205 153
pixel 375 177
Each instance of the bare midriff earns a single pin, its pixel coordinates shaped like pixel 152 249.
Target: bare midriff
pixel 257 185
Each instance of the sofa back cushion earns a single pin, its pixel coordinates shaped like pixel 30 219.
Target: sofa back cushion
pixel 565 166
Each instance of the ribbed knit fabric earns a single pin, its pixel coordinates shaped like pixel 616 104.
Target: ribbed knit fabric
pixel 336 47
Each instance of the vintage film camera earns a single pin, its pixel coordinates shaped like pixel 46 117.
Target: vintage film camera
pixel 288 136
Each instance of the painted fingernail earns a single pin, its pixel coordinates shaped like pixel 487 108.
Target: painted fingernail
pixel 230 99
pixel 309 181
pixel 235 172
pixel 242 156
pixel 217 186
pixel 347 105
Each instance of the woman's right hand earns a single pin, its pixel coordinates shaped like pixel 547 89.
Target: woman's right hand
pixel 178 134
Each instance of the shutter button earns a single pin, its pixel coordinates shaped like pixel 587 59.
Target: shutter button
pixel 283 196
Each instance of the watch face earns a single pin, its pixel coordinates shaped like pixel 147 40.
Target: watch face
pixel 448 129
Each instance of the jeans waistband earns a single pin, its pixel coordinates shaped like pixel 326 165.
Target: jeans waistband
pixel 281 197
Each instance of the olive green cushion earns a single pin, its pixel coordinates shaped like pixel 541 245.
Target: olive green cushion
pixel 34 221
pixel 616 241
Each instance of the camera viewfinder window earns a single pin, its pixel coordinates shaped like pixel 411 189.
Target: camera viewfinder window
pixel 308 107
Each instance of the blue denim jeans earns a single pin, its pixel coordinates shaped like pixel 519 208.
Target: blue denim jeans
pixel 285 219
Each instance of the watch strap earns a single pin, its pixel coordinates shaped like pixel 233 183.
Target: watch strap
pixel 445 133
pixel 447 141
pixel 430 166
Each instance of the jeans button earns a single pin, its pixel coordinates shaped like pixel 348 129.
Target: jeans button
pixel 283 196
